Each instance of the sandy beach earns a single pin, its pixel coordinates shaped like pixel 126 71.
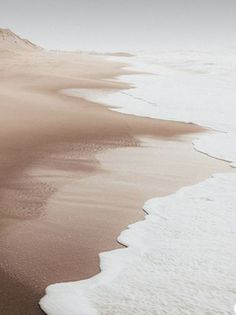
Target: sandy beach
pixel 73 173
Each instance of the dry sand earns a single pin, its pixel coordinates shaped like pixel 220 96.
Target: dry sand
pixel 74 174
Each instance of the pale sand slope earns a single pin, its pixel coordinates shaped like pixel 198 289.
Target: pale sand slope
pixel 10 43
pixel 63 199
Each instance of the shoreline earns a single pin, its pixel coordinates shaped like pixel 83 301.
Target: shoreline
pixel 37 146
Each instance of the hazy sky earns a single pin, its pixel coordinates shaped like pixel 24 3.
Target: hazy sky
pixel 122 24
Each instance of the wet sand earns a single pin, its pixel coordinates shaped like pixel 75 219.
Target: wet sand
pixel 74 174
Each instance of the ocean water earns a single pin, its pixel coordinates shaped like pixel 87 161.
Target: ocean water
pixel 180 259
pixel 193 87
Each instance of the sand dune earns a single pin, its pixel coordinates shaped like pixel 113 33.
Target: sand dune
pixel 11 42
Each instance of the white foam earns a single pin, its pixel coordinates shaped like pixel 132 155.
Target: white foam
pixel 180 260
pixel 197 87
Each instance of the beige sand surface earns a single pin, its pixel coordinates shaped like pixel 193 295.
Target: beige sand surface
pixel 10 42
pixel 72 173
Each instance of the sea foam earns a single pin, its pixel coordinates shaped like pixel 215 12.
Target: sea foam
pixel 180 259
pixel 192 87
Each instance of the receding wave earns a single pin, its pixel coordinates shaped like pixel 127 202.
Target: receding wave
pixel 180 259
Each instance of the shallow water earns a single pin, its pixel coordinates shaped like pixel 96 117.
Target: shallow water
pixel 180 259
